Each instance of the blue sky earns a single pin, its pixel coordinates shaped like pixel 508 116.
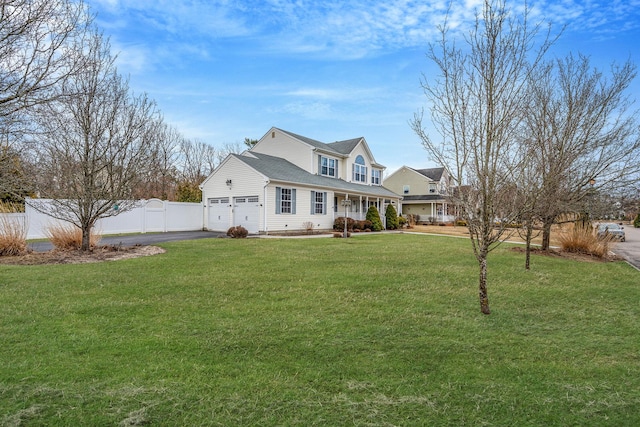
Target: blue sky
pixel 223 70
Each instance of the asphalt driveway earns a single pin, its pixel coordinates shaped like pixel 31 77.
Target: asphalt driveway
pixel 140 239
pixel 630 249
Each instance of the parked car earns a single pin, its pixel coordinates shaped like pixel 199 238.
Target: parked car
pixel 614 230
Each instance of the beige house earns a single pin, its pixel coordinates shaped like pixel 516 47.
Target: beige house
pixel 286 182
pixel 424 193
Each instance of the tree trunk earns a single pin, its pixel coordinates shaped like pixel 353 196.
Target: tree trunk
pixel 546 233
pixel 86 238
pixel 527 253
pixel 484 298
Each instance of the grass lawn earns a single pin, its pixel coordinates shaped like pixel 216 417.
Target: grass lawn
pixel 375 330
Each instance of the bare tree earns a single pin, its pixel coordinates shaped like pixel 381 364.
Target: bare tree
pixel 95 138
pixel 34 35
pixel 161 175
pixel 582 133
pixel 230 148
pixel 198 161
pixel 477 103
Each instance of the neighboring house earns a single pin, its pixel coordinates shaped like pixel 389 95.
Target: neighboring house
pixel 286 182
pixel 424 193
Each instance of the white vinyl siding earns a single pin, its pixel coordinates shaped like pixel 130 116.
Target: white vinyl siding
pixel 244 181
pixel 286 147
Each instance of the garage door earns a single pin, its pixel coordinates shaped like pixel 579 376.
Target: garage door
pixel 219 214
pixel 246 212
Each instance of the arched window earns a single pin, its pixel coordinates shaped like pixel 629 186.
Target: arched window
pixel 359 170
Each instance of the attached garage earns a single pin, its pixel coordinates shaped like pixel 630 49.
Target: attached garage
pixel 219 214
pixel 246 213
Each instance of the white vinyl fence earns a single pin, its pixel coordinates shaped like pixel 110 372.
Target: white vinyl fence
pixel 152 215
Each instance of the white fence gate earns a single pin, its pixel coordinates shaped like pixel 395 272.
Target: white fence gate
pixel 152 215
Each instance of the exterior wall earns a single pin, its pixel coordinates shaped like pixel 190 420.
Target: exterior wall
pixel 423 210
pixel 418 184
pixel 289 222
pixel 347 169
pixel 278 144
pixel 244 182
pixel 316 164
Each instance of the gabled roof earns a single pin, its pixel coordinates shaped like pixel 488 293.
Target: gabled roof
pixel 345 147
pixel 338 148
pixel 309 141
pixel 279 169
pixel 434 174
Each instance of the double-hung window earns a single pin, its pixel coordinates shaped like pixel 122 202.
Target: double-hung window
pixel 285 200
pixel 359 170
pixel 328 167
pixel 375 176
pixel 318 203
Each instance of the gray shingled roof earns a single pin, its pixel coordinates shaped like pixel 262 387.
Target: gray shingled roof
pixel 424 198
pixel 279 169
pixel 345 147
pixel 339 147
pixel 434 173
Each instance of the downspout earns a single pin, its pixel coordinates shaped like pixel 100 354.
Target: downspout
pixel 264 207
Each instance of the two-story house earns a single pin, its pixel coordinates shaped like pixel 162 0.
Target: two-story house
pixel 424 193
pixel 286 181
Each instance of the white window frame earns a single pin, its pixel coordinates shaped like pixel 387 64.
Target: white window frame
pixel 376 175
pixel 327 165
pixel 360 170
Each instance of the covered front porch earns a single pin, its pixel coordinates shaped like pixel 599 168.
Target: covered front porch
pixel 429 212
pixel 355 206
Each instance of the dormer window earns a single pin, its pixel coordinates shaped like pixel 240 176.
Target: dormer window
pixel 359 170
pixel 328 167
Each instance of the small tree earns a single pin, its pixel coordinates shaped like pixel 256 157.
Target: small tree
pixel 636 222
pixel 374 217
pixel 392 217
pixel 95 140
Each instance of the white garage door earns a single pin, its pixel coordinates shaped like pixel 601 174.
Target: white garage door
pixel 219 214
pixel 246 212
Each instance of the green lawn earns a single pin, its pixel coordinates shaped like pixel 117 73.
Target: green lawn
pixel 376 330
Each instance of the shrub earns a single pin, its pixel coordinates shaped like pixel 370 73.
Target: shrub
pixel 582 239
pixel 237 232
pixel 402 222
pixel 392 217
pixel 13 234
pixel 66 237
pixel 461 222
pixel 362 225
pixel 308 225
pixel 412 220
pixel 338 224
pixel 636 222
pixel 374 217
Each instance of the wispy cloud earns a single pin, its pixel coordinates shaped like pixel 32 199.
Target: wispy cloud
pixel 336 29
